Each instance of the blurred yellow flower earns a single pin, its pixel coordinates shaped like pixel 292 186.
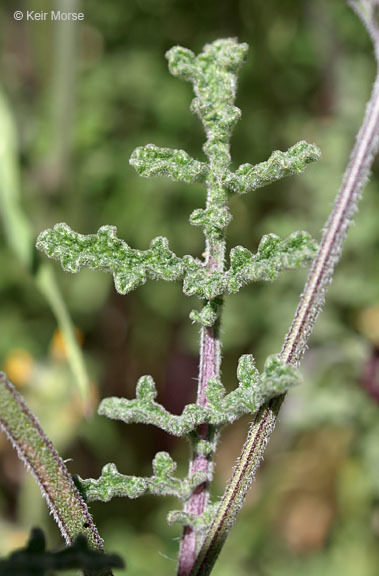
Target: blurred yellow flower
pixel 19 366
pixel 58 346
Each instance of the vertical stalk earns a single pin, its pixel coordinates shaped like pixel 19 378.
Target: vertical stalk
pixel 214 75
pixel 311 301
pixel 209 367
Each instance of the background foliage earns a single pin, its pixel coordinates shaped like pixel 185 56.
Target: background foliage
pixel 83 97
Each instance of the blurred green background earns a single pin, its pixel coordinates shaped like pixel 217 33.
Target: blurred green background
pixel 78 98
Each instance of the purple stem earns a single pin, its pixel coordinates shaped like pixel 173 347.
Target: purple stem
pixel 210 364
pixel 209 368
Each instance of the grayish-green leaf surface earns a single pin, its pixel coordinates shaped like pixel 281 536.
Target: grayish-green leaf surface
pixel 104 251
pixel 253 391
pixel 163 482
pixel 151 160
pixel 273 256
pixel 131 268
pixel 280 164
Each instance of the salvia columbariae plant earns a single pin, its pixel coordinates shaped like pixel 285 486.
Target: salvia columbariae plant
pixel 214 77
pixel 213 74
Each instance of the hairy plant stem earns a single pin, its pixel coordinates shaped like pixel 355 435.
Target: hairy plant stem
pixel 312 299
pixel 39 456
pixel 209 367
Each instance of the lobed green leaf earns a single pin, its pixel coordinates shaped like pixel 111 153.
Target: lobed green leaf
pixel 202 282
pixel 213 220
pixel 214 77
pixel 279 165
pixel 182 63
pixel 278 377
pixel 151 161
pixel 273 256
pixel 199 522
pixel 254 390
pixel 104 251
pixel 247 398
pixel 208 314
pixel 144 410
pixel 112 483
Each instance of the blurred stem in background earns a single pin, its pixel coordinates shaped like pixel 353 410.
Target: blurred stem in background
pixel 19 237
pixel 63 94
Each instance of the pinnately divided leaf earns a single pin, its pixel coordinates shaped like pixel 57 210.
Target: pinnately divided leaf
pixel 163 482
pixel 273 256
pixel 253 391
pixel 104 251
pixel 131 268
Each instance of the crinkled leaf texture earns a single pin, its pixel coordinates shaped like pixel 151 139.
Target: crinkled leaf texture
pixel 199 522
pixel 131 268
pixel 151 161
pixel 273 256
pixel 163 482
pixel 280 164
pixel 253 391
pixel 104 251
